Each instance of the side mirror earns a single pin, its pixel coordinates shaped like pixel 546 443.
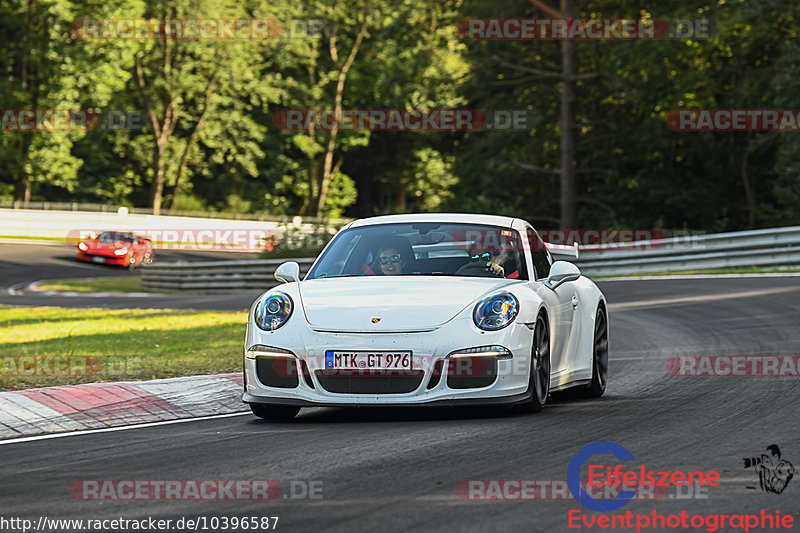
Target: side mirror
pixel 561 272
pixel 288 272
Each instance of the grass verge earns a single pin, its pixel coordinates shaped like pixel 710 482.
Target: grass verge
pixel 44 346
pixel 126 284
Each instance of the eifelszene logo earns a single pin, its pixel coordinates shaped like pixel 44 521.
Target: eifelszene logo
pixel 627 479
pixel 774 473
pixel 574 476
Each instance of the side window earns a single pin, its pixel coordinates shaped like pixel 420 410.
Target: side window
pixel 539 253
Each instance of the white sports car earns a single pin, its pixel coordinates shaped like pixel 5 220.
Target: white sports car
pixel 426 309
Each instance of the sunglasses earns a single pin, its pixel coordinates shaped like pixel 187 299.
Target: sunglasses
pixel 485 256
pixel 393 258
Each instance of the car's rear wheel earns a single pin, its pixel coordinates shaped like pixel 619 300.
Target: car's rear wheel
pixel 274 412
pixel 539 380
pixel 597 386
pixel 132 262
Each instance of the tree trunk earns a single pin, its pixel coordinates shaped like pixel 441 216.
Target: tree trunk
pixel 401 198
pixel 328 170
pixel 162 129
pixel 734 154
pixel 157 190
pixel 22 188
pixel 22 183
pixel 569 130
pixel 190 141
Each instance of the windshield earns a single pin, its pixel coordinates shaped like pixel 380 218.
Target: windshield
pixel 431 249
pixel 109 237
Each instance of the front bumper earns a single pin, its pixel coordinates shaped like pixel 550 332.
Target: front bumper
pixel 121 260
pixel 436 378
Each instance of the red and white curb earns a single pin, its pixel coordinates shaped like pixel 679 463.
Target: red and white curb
pixel 103 405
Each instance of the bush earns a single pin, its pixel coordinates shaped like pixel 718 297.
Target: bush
pixel 305 240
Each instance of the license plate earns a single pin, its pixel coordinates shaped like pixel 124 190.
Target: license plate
pixel 99 259
pixel 336 360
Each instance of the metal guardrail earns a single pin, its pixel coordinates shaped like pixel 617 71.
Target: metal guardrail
pixel 215 277
pixel 767 248
pixel 773 248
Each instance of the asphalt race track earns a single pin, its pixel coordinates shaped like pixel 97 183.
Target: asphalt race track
pixel 397 469
pixel 21 264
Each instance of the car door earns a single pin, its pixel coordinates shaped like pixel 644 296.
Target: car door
pixel 562 304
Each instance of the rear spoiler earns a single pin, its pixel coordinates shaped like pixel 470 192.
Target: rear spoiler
pixel 563 250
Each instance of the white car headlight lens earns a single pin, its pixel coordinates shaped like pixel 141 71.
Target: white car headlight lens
pixel 273 311
pixel 121 251
pixel 83 246
pixel 496 311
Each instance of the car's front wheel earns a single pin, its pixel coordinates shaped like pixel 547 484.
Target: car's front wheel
pixel 539 380
pixel 274 412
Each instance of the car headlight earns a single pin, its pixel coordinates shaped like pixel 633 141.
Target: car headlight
pixel 121 251
pixel 496 311
pixel 83 247
pixel 273 311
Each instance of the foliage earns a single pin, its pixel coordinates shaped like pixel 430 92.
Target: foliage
pixel 222 150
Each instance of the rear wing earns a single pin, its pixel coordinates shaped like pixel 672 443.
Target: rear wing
pixel 562 250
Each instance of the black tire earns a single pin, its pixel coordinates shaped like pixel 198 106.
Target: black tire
pixel 149 257
pixel 597 387
pixel 274 412
pixel 132 262
pixel 539 377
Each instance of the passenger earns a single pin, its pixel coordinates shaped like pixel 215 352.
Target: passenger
pixel 391 262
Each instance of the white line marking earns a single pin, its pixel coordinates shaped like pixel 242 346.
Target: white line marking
pixel 700 276
pixel 119 428
pixel 702 298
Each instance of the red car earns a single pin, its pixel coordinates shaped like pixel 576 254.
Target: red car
pixel 117 248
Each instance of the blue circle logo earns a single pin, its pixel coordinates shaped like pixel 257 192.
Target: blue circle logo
pixel 574 476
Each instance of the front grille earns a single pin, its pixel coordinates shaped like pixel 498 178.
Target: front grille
pixel 277 372
pixel 369 382
pixel 471 372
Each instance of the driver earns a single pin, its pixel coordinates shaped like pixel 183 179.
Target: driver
pixel 484 259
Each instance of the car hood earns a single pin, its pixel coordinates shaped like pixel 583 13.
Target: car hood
pixel 401 303
pixel 106 247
